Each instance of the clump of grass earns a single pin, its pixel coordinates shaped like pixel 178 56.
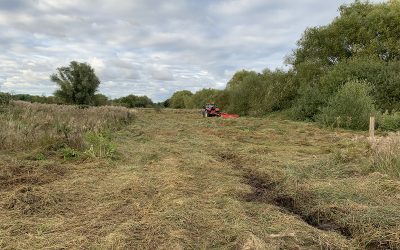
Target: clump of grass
pixel 385 155
pixel 389 122
pixel 28 126
pixel 31 200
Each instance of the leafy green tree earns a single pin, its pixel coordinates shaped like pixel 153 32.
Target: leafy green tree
pixel 244 92
pixel 383 76
pixel 238 78
pixel 166 103
pixel 362 29
pixel 180 99
pixel 280 89
pixel 360 44
pixel 100 100
pixel 77 83
pixel 252 93
pixel 133 101
pixel 201 97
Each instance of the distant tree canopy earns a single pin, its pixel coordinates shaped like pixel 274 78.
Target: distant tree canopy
pixel 36 98
pixel 361 29
pixel 133 101
pixel 357 54
pixel 77 83
pixel 201 97
pixel 361 44
pixel 180 99
pixel 100 100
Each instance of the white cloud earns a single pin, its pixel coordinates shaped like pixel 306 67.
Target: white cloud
pixel 150 47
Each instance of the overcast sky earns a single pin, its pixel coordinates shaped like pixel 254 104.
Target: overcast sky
pixel 149 47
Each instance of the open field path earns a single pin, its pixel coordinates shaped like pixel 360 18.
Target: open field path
pixel 185 182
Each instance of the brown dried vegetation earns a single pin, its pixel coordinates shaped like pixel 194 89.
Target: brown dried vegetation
pixel 184 182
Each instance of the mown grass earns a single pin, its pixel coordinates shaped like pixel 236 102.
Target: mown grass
pixel 185 182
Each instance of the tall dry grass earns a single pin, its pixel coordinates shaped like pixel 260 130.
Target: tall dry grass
pixel 30 125
pixel 385 155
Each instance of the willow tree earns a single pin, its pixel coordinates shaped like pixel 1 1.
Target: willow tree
pixel 77 83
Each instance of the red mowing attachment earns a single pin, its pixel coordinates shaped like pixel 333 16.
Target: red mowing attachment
pixel 225 115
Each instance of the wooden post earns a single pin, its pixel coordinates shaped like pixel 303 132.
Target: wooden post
pixel 372 128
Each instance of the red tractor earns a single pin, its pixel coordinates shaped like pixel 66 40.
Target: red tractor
pixel 210 109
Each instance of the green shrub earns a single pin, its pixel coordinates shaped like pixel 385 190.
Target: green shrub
pixel 180 99
pixel 69 153
pixel 5 98
pixel 308 103
pixel 350 107
pixel 204 96
pixel 100 145
pixel 389 122
pixel 133 101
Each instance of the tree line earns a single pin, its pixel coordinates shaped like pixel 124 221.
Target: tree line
pixel 78 85
pixel 338 75
pixel 130 101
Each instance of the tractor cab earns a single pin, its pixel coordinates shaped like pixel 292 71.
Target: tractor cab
pixel 210 109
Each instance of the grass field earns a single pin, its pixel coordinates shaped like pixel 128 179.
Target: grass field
pixel 180 181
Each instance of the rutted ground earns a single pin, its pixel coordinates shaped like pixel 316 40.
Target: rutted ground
pixel 184 182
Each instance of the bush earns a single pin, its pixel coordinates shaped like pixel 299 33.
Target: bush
pixel 133 101
pixel 100 145
pixel 350 107
pixel 5 98
pixel 308 103
pixel 180 99
pixel 201 97
pixel 252 93
pixel 383 76
pixel 100 100
pixel 389 122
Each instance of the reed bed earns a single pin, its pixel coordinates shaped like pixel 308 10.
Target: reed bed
pixel 29 125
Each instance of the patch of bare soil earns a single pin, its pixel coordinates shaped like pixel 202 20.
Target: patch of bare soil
pixel 264 189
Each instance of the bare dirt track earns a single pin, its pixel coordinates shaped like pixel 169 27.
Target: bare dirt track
pixel 185 182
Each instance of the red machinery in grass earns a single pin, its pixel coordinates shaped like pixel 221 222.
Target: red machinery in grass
pixel 227 116
pixel 210 109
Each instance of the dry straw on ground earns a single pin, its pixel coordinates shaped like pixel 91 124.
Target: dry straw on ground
pixel 185 182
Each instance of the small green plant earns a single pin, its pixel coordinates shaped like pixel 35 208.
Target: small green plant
pixel 389 122
pixel 100 145
pixel 69 153
pixel 40 157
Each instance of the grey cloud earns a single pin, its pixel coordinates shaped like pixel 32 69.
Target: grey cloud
pixel 150 47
